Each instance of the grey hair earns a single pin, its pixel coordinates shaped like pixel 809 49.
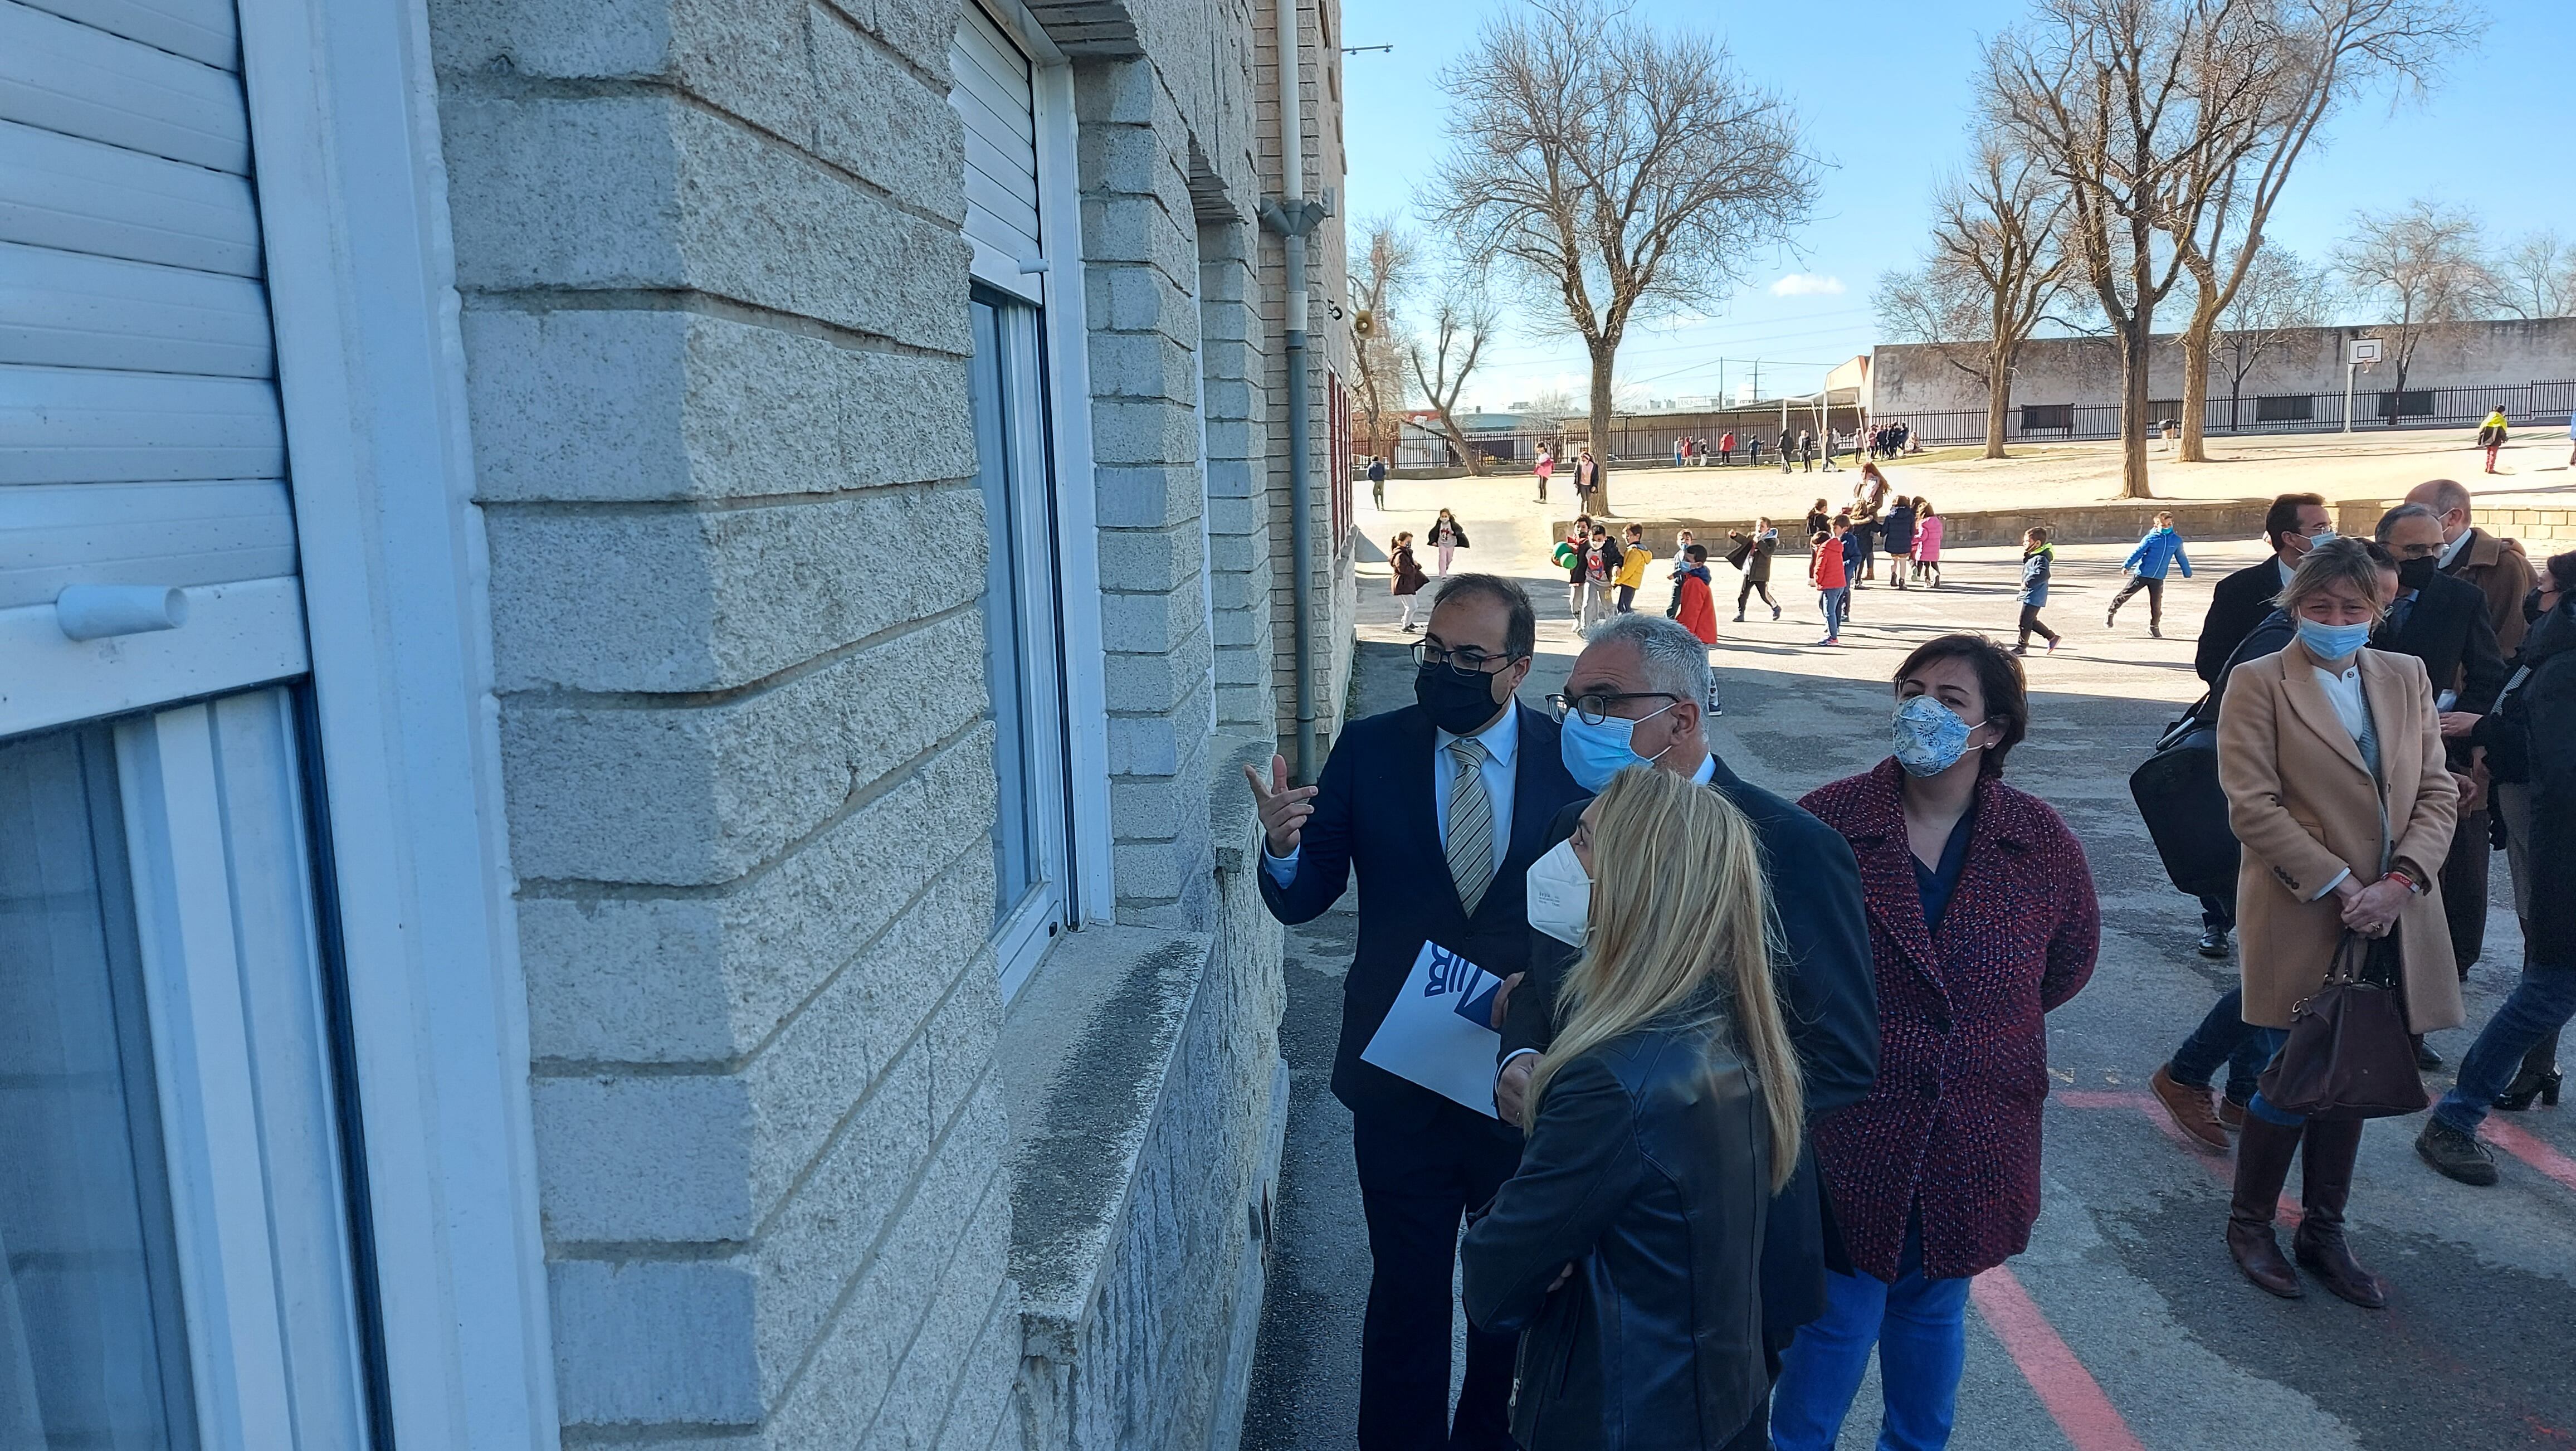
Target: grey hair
pixel 2356 562
pixel 1673 659
pixel 2448 494
pixel 2389 521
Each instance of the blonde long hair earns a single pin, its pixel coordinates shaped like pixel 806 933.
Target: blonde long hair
pixel 1680 903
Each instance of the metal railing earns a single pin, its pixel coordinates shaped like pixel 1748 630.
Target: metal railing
pixel 2373 410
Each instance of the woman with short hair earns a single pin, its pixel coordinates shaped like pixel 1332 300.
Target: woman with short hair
pixel 1627 1248
pixel 1982 920
pixel 2330 753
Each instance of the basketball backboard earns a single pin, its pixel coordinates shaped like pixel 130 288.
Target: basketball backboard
pixel 2365 350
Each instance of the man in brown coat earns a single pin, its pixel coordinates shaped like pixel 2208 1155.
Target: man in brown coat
pixel 2502 573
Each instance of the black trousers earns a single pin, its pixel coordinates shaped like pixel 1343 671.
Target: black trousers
pixel 1753 587
pixel 2030 625
pixel 2464 890
pixel 1417 1183
pixel 2155 589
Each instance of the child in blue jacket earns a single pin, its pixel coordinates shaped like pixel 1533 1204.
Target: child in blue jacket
pixel 2146 565
pixel 2037 554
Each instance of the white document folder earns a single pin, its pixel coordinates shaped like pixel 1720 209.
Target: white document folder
pixel 1437 1034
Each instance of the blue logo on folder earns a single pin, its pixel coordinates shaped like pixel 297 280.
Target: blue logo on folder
pixel 1475 987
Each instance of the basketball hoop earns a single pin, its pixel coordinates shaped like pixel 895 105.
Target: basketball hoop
pixel 2360 356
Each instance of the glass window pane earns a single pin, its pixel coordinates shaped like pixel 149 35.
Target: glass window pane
pixel 1019 606
pixel 91 1336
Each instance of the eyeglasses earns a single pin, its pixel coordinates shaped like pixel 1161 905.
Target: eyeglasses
pixel 1595 707
pixel 1469 661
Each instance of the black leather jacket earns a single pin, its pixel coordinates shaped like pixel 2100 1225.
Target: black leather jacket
pixel 1649 1170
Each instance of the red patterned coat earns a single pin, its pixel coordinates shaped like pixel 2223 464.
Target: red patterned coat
pixel 1953 1122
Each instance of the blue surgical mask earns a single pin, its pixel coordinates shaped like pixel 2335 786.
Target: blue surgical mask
pixel 2332 642
pixel 1595 753
pixel 1930 737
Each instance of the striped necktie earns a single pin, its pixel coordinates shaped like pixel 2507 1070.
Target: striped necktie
pixel 1471 824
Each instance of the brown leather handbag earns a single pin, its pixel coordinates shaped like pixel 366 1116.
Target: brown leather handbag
pixel 2349 1056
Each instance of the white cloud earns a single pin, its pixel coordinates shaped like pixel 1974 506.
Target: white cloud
pixel 1806 284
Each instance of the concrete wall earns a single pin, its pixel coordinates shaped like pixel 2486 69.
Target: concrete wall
pixel 1916 378
pixel 714 313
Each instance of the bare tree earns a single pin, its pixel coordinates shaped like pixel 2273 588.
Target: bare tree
pixel 1992 272
pixel 2536 277
pixel 1615 170
pixel 1462 322
pixel 2422 266
pixel 2129 105
pixel 2304 59
pixel 1382 271
pixel 2278 295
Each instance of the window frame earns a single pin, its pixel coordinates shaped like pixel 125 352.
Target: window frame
pixel 1064 340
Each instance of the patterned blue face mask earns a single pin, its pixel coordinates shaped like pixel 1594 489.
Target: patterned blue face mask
pixel 1930 737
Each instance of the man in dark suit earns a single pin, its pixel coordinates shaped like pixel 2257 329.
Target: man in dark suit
pixel 1440 807
pixel 2443 621
pixel 2502 574
pixel 2293 525
pixel 1646 678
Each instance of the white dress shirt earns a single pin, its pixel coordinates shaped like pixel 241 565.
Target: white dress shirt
pixel 2452 550
pixel 1502 741
pixel 2343 690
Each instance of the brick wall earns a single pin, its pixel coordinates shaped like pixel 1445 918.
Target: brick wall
pixel 715 336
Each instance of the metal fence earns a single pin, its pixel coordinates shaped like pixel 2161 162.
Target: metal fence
pixel 2373 410
pixel 1650 442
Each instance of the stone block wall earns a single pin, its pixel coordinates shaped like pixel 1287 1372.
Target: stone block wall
pixel 715 335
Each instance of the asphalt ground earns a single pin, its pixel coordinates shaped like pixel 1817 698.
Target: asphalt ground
pixel 2124 1325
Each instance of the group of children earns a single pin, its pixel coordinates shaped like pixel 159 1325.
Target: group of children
pixel 1603 574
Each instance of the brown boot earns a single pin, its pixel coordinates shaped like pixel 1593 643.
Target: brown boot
pixel 2262 1167
pixel 2189 1109
pixel 2325 1187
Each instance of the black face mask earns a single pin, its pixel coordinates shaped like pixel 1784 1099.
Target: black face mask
pixel 1458 704
pixel 2417 573
pixel 2531 610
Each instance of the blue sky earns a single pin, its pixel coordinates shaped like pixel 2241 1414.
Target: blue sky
pixel 1883 87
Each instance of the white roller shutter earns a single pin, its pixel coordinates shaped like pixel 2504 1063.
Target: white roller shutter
pixel 994 97
pixel 140 436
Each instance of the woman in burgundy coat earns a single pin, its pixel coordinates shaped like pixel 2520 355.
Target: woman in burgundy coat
pixel 1981 920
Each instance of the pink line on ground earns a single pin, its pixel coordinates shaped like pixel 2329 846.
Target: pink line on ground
pixel 2522 1145
pixel 2073 1398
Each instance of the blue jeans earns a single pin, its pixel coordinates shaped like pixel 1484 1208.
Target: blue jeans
pixel 2270 1042
pixel 2540 1005
pixel 2222 1037
pixel 1920 1327
pixel 1834 601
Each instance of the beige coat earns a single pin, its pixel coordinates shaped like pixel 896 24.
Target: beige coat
pixel 2302 802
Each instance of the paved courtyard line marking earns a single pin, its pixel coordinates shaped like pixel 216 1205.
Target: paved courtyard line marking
pixel 2530 1149
pixel 2073 1398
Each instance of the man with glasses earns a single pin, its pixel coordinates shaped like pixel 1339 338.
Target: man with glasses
pixel 2443 621
pixel 1440 808
pixel 1635 697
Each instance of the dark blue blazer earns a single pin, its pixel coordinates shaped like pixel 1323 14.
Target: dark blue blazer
pixel 1828 1001
pixel 1373 814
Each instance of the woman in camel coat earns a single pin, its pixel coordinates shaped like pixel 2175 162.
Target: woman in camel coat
pixel 2318 746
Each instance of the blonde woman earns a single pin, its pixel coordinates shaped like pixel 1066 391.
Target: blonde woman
pixel 2331 757
pixel 1627 1248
